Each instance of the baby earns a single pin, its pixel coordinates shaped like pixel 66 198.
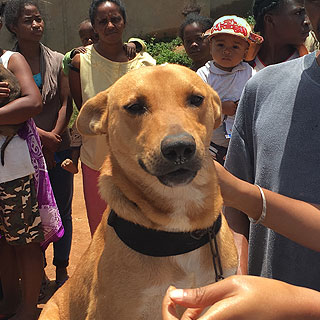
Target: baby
pixel 231 43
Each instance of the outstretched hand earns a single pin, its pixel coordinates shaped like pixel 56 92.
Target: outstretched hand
pixel 237 297
pixel 50 140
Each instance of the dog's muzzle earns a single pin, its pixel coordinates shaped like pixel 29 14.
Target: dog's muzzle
pixel 178 164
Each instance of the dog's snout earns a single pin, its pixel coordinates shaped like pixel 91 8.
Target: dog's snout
pixel 178 148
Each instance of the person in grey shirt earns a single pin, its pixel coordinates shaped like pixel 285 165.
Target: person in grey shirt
pixel 275 144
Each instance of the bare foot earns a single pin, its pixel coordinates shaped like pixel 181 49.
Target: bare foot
pixel 69 166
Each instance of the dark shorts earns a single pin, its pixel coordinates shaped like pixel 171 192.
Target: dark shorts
pixel 20 221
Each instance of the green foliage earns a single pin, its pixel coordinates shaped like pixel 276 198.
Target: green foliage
pixel 73 116
pixel 251 21
pixel 168 50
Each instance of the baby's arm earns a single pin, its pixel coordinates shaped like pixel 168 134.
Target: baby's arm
pixel 133 46
pixel 229 108
pixel 68 58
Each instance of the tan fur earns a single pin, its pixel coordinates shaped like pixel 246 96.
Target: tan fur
pixel 112 281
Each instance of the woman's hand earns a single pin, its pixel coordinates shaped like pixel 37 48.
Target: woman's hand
pixel 243 297
pixel 50 140
pixel 4 91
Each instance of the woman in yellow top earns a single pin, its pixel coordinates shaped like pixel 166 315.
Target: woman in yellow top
pixel 92 72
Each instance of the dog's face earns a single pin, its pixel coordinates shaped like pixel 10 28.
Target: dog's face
pixel 158 121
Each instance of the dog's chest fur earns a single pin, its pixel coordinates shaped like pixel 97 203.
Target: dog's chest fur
pixel 196 273
pixel 181 200
pixel 193 274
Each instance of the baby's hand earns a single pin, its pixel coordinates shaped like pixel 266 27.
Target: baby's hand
pixel 130 49
pixel 229 108
pixel 77 51
pixel 4 91
pixel 80 50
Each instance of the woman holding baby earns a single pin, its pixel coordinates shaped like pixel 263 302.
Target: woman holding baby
pixel 20 222
pixel 92 72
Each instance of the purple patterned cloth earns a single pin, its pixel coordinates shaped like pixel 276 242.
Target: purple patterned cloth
pixel 49 213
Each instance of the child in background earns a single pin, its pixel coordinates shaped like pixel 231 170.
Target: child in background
pixel 88 36
pixel 191 33
pixel 86 33
pixel 231 42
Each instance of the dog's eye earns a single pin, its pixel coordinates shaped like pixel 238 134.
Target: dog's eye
pixel 196 100
pixel 136 108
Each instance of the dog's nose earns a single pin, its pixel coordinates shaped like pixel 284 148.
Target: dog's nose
pixel 178 148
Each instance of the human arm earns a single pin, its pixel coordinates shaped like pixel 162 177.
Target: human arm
pixel 240 162
pixel 52 139
pixel 229 108
pixel 139 44
pixel 74 81
pixel 130 49
pixel 239 224
pixel 68 58
pixel 244 297
pixel 133 46
pixel 30 102
pixel 297 220
pixel 66 109
pixel 238 159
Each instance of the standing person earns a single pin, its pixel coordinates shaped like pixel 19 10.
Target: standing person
pixel 23 19
pixel 227 73
pixel 290 302
pixel 277 114
pixel 196 45
pixel 20 222
pixel 88 36
pixel 103 63
pixel 86 33
pixel 284 27
pixel 243 297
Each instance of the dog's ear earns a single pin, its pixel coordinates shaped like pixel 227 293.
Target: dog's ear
pixel 92 119
pixel 216 105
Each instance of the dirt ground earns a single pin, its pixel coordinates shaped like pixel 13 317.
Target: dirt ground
pixel 80 241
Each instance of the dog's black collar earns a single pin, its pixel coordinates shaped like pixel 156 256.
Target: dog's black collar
pixel 156 243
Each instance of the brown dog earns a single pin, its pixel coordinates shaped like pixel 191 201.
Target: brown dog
pixel 160 181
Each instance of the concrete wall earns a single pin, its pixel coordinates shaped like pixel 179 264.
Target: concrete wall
pixel 220 8
pixel 158 17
